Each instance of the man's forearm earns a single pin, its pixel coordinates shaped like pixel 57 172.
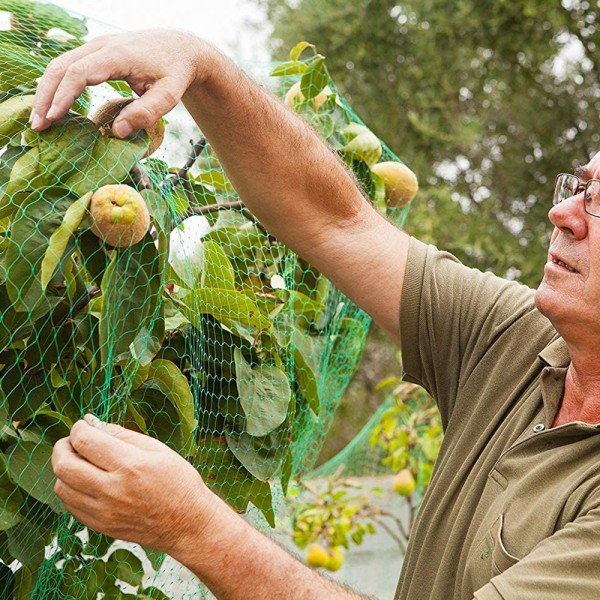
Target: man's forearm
pixel 285 174
pixel 237 562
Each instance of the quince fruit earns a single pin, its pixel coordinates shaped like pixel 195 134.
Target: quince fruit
pixel 362 144
pixel 400 182
pixel 118 215
pixel 109 111
pixel 295 94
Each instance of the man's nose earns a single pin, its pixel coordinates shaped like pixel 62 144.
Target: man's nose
pixel 570 217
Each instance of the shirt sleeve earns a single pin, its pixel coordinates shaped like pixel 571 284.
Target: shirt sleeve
pixel 561 567
pixel 450 316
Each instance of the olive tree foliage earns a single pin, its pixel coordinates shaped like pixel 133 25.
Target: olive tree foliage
pixel 485 101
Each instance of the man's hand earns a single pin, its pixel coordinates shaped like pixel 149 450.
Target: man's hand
pixel 159 65
pixel 130 486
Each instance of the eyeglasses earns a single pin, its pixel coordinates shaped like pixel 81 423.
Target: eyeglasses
pixel 567 186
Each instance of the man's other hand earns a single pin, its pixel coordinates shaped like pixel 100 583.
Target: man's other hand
pixel 130 486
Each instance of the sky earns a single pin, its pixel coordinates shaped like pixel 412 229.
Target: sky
pixel 238 27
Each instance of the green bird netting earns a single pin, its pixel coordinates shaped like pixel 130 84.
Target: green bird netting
pixel 135 285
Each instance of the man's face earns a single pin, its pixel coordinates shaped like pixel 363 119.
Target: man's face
pixel 569 294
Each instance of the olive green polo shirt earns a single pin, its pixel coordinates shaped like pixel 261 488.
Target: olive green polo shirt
pixel 513 509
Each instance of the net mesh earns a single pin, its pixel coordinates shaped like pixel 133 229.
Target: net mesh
pixel 135 285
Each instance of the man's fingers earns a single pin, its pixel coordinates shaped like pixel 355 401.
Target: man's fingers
pixel 101 447
pixel 49 82
pixel 148 108
pixel 73 498
pixel 139 440
pixel 75 471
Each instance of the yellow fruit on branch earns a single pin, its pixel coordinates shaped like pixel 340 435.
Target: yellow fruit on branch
pixel 317 556
pixel 109 111
pixel 335 561
pixel 295 94
pixel 400 182
pixel 404 483
pixel 118 215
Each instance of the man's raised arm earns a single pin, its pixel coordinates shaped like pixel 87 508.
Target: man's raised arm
pixel 296 186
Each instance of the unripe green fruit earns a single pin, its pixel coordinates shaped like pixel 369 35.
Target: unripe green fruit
pixel 404 483
pixel 400 182
pixel 118 215
pixel 336 560
pixel 317 556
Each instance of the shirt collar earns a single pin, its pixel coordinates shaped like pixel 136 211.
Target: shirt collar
pixel 556 353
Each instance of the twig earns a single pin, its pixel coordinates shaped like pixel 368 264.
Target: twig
pixel 197 150
pixel 397 520
pixel 394 536
pixel 234 205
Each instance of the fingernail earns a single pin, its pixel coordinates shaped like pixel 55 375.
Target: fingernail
pixel 53 112
pixel 35 120
pixel 94 421
pixel 122 128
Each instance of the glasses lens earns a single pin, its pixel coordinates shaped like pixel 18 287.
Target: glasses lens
pixel 592 198
pixel 566 186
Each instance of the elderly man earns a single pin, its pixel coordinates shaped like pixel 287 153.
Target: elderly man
pixel 513 511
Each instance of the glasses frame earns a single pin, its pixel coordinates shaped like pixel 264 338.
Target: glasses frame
pixel 582 186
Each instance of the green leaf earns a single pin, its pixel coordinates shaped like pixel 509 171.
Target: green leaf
pixel 215 179
pixel 224 305
pixel 217 270
pixel 299 48
pixel 122 87
pixel 262 456
pixel 292 67
pixel 59 240
pixel 125 566
pixel 29 465
pixel 226 476
pixel 24 177
pixel 306 368
pixel 264 395
pixel 20 68
pixel 153 593
pixel 314 79
pixel 165 377
pixel 14 115
pixel 131 289
pixel 30 234
pixel 74 154
pixel 10 499
pixel 26 544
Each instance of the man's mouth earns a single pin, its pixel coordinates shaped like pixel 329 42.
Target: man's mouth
pixel 562 263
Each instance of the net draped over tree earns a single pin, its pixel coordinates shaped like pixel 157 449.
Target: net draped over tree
pixel 146 293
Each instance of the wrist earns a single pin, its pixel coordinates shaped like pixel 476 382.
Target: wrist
pixel 207 530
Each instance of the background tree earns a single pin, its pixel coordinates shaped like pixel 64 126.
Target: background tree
pixel 486 102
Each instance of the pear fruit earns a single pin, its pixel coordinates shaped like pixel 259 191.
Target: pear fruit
pixel 400 182
pixel 105 117
pixel 295 94
pixel 404 483
pixel 317 556
pixel 118 215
